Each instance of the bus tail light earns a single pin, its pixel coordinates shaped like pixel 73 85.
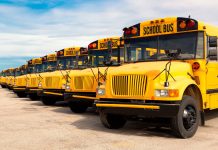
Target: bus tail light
pixel 184 24
pixel 60 53
pixel 93 45
pixel 132 31
pixel 90 46
pixel 190 23
pixel 127 31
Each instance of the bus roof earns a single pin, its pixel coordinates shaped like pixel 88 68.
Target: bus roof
pixel 169 25
pixel 49 57
pixel 72 51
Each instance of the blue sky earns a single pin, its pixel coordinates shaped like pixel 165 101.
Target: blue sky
pixel 33 28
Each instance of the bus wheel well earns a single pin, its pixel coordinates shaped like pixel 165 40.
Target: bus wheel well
pixel 193 91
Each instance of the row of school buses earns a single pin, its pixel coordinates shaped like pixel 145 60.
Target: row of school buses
pixel 164 69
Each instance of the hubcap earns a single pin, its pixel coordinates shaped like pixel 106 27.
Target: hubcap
pixel 189 117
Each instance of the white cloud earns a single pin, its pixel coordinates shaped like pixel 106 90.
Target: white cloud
pixel 32 33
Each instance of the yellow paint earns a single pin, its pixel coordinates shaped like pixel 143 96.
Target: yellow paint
pixel 52 93
pixel 129 106
pixel 135 81
pixel 84 97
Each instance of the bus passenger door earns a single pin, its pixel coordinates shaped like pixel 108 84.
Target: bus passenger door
pixel 212 73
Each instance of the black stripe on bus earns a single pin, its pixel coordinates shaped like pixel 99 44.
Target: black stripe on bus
pixel 210 91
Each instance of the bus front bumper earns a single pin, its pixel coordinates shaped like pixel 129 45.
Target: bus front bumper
pixel 51 93
pixel 70 96
pixel 32 90
pixel 17 89
pixel 166 110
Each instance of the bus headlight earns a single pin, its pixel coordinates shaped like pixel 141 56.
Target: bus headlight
pixel 167 93
pixel 40 84
pixel 101 91
pixel 67 87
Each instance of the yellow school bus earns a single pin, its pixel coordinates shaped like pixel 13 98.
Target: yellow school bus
pixel 17 73
pixel 177 85
pixel 33 78
pixel 10 78
pixel 81 89
pixel 1 75
pixel 49 65
pixel 3 79
pixel 53 83
pixel 21 81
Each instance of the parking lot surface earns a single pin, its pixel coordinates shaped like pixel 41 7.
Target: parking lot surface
pixel 29 125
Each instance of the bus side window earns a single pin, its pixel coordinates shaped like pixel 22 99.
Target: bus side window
pixel 212 48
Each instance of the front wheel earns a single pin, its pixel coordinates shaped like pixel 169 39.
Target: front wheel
pixel 21 94
pixel 78 106
pixel 3 86
pixel 33 96
pixel 186 123
pixel 112 121
pixel 48 101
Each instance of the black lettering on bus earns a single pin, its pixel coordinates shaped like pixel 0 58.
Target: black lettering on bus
pixel 171 27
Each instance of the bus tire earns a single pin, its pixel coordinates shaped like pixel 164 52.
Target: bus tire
pixel 48 101
pixel 21 94
pixel 112 121
pixel 78 106
pixel 34 97
pixel 3 86
pixel 186 123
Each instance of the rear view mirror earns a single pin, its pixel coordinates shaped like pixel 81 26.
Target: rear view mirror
pixel 108 63
pixel 173 53
pixel 212 41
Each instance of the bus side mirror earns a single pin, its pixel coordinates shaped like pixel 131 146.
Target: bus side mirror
pixel 212 41
pixel 212 54
pixel 173 53
pixel 108 63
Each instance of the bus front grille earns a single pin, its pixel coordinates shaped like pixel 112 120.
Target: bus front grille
pixel 33 82
pixel 21 82
pixel 84 82
pixel 52 82
pixel 129 85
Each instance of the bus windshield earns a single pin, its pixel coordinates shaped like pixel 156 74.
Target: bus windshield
pixel 23 71
pixel 44 66
pixel 51 66
pixel 98 57
pixel 82 62
pixel 190 45
pixel 38 68
pixel 17 73
pixel 66 62
pixel 30 69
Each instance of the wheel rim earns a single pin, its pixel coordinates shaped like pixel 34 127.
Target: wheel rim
pixel 189 117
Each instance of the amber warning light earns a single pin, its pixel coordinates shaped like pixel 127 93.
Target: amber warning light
pixel 187 24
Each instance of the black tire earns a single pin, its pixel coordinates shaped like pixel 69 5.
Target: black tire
pixel 48 101
pixel 78 106
pixel 186 123
pixel 21 94
pixel 34 97
pixel 112 121
pixel 3 86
